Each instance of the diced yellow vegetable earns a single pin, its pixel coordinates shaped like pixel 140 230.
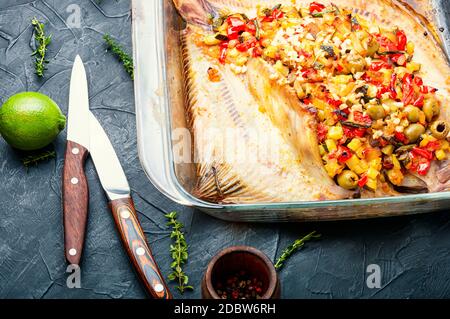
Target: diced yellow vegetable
pixel 354 144
pixel 413 66
pixel 372 173
pixel 410 48
pixel 426 139
pixel 322 150
pixel 445 145
pixel 333 168
pixel 372 90
pixel 355 165
pixel 371 184
pixel 319 104
pixel 395 176
pixel 388 149
pixel 271 51
pixel 396 162
pixel 376 164
pixel 331 145
pixel 441 155
pixel 233 53
pixel 282 69
pixel 335 132
pixel 342 79
pixel 211 40
pixel 241 60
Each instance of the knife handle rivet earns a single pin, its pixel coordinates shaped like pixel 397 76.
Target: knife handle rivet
pixel 125 214
pixel 72 252
pixel 74 180
pixel 140 251
pixel 75 150
pixel 159 288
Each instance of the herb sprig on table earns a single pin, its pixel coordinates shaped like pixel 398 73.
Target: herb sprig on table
pixel 179 253
pixel 34 159
pixel 123 57
pixel 42 42
pixel 297 244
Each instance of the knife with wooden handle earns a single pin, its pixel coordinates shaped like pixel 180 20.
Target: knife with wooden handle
pixel 115 184
pixel 75 191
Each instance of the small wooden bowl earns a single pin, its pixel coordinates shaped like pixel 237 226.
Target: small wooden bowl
pixel 241 258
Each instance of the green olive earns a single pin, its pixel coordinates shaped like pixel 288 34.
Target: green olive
pixel 439 129
pixel 347 179
pixel 414 131
pixel 430 108
pixel 413 113
pixel 376 111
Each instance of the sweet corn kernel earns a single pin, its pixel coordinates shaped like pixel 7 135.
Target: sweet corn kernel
pixel 441 155
pixel 233 53
pixel 354 144
pixel 331 145
pixel 241 60
pixel 342 79
pixel 333 168
pixel 372 184
pixel 335 132
pixel 372 173
pixel 355 165
pixel 376 164
pixel 388 149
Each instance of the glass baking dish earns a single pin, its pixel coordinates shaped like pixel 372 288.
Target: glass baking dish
pixel 161 124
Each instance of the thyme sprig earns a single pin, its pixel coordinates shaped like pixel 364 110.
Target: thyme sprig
pixel 42 42
pixel 123 57
pixel 298 243
pixel 34 159
pixel 179 252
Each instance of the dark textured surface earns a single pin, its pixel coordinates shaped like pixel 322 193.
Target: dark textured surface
pixel 413 252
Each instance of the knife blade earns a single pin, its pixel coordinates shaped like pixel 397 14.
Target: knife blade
pixel 75 188
pixel 115 184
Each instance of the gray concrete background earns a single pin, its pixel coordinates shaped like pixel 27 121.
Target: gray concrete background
pixel 413 252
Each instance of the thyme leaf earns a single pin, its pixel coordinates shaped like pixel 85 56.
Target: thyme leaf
pixel 42 42
pixel 179 253
pixel 34 159
pixel 123 57
pixel 297 244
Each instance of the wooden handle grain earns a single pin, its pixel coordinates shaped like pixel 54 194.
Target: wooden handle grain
pixel 135 243
pixel 75 201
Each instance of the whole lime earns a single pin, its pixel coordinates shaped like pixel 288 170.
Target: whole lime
pixel 30 121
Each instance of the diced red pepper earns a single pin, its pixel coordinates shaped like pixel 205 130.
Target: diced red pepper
pixel 393 94
pixel 398 58
pixel 235 27
pixel 223 52
pixel 361 118
pixel 378 65
pixel 243 47
pixel 333 102
pixel 419 101
pixel 322 131
pixel 343 154
pixel 351 132
pixel 315 7
pixel 427 89
pixel 250 27
pixel 408 89
pixel 385 43
pixel 401 40
pixel 423 168
pixel 433 146
pixel 418 80
pixel 399 136
pixel 363 181
pixel 257 51
pixel 276 14
pixel 422 152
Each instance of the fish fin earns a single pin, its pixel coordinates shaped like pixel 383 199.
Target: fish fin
pixel 217 183
pixel 195 11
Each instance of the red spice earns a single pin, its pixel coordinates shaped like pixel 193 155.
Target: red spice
pixel 239 286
